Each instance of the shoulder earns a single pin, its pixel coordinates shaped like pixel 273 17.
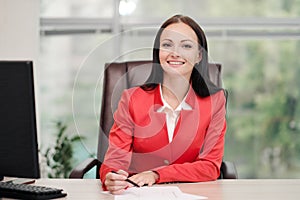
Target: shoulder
pixel 137 100
pixel 138 91
pixel 217 100
pixel 220 95
pixel 138 94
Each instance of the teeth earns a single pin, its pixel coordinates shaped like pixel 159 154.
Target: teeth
pixel 176 63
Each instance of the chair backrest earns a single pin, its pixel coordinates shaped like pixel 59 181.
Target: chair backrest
pixel 123 75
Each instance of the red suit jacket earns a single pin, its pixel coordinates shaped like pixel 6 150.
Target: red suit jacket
pixel 138 140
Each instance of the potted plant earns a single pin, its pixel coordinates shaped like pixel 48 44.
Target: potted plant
pixel 59 157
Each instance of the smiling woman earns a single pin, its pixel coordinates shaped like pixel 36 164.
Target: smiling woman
pixel 160 112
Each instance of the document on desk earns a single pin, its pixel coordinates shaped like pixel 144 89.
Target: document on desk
pixel 156 193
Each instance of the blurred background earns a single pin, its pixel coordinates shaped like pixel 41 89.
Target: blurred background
pixel 257 42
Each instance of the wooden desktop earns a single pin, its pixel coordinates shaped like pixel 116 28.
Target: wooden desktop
pixel 241 189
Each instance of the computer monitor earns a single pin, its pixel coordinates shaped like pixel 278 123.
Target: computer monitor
pixel 18 135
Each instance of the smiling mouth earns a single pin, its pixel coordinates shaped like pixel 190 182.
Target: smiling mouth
pixel 175 62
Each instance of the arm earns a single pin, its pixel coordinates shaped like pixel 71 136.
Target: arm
pixel 206 166
pixel 118 154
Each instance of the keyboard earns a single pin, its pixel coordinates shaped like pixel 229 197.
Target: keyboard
pixel 32 192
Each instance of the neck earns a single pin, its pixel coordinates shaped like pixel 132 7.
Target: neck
pixel 175 88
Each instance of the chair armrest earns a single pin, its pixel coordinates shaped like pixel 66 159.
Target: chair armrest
pixel 229 171
pixel 82 168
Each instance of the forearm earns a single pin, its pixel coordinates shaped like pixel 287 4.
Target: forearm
pixel 198 171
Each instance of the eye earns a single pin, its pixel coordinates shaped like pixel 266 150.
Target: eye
pixel 166 45
pixel 187 46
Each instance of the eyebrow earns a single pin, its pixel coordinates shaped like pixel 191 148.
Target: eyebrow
pixel 167 40
pixel 185 40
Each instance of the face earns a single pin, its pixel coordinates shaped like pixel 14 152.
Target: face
pixel 179 50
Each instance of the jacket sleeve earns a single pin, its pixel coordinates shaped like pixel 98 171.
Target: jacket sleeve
pixel 207 165
pixel 119 150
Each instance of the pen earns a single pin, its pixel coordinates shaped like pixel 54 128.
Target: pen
pixel 128 180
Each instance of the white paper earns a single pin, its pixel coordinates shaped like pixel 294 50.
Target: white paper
pixel 156 193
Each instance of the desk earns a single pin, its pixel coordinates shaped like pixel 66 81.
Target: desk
pixel 241 189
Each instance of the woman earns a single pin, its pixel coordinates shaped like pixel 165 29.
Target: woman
pixel 172 128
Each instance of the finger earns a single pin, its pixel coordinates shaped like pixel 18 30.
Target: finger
pixel 116 189
pixel 150 183
pixel 138 180
pixel 115 176
pixel 122 172
pixel 117 192
pixel 116 183
pixel 143 179
pixel 141 183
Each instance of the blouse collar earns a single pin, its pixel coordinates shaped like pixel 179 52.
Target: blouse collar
pixel 182 106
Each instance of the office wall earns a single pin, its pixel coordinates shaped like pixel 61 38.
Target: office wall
pixel 19 34
pixel 19 29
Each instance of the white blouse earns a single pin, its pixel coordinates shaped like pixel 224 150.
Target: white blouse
pixel 171 114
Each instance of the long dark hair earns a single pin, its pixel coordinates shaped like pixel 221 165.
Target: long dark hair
pixel 200 76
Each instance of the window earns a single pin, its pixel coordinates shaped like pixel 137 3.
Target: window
pixel 257 42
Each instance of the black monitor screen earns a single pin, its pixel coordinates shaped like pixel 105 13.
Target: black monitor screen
pixel 18 136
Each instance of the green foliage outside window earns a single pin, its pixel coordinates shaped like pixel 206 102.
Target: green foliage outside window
pixel 264 107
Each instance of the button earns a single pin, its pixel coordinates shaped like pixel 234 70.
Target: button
pixel 166 162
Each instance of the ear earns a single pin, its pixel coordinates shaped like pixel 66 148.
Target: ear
pixel 199 57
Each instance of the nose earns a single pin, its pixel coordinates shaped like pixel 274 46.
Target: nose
pixel 175 52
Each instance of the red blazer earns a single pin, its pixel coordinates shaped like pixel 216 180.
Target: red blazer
pixel 138 140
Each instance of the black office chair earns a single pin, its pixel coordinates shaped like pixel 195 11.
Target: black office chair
pixel 124 75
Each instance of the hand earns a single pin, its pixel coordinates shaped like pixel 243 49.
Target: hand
pixel 146 177
pixel 115 182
